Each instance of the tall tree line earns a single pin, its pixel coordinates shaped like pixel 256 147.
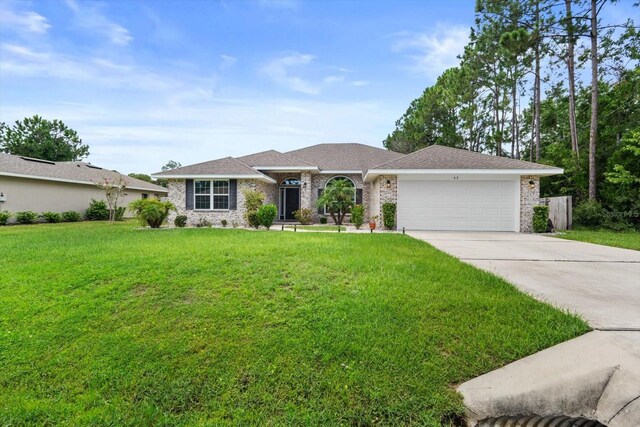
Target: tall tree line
pixel 531 84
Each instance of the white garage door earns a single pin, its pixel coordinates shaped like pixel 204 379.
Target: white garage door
pixel 457 205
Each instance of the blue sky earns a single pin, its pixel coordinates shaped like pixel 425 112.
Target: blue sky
pixel 144 82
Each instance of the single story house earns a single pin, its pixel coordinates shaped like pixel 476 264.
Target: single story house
pixel 28 184
pixel 436 188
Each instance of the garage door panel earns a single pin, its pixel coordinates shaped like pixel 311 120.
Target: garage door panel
pixel 457 205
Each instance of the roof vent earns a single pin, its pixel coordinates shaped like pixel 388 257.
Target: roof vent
pixel 93 167
pixel 33 159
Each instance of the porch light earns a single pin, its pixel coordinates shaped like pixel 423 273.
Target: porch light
pixel 532 184
pixel 388 183
pixel 304 184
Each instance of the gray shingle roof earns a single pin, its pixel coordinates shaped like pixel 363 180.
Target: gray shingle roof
pixel 67 171
pixel 273 158
pixel 344 156
pixel 441 157
pixel 224 166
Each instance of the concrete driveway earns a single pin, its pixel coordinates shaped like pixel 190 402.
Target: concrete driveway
pixel 597 375
pixel 600 283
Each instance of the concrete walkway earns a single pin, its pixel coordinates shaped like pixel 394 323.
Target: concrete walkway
pixel 597 375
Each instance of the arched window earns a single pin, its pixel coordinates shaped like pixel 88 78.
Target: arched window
pixel 349 181
pixel 291 181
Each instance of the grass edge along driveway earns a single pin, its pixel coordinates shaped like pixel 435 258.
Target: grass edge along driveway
pixel 618 239
pixel 112 325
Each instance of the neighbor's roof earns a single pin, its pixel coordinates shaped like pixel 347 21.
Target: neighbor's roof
pixel 344 157
pixel 227 167
pixel 273 158
pixel 74 172
pixel 438 157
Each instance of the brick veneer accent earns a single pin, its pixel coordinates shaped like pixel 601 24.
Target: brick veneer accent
pixel 177 195
pixel 386 195
pixel 529 197
pixel 319 181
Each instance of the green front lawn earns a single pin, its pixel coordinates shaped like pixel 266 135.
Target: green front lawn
pixel 321 227
pixel 627 239
pixel 112 325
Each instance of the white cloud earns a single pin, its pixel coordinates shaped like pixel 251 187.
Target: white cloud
pixel 333 79
pixel 22 21
pixel 227 61
pixel 24 52
pixel 360 83
pixel 286 71
pixel 278 70
pixel 433 52
pixel 90 17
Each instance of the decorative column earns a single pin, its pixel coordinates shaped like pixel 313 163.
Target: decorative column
pixel 529 197
pixel 388 193
pixel 305 190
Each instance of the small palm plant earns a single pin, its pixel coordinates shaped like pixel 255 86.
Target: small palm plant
pixel 151 212
pixel 338 198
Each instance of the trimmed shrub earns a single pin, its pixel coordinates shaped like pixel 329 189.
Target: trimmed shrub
pixel 540 219
pixel 253 219
pixel 267 214
pixel 4 217
pixel 53 217
pixel 389 215
pixel 589 214
pixel 180 221
pixel 303 216
pixel 224 222
pixel 97 210
pixel 203 223
pixel 357 216
pixel 151 212
pixel 252 201
pixel 119 213
pixel 26 217
pixel 323 220
pixel 71 216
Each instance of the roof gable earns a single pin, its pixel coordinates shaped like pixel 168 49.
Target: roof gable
pixel 442 157
pixel 79 172
pixel 273 158
pixel 344 157
pixel 225 167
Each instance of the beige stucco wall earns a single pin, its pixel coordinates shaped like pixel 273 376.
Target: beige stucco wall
pixel 24 194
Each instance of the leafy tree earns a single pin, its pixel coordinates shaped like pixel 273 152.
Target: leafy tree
pixel 141 177
pixel 171 164
pixel 338 198
pixel 113 191
pixel 43 139
pixel 621 189
pixel 253 200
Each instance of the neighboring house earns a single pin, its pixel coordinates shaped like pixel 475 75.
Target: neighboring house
pixel 28 184
pixel 437 188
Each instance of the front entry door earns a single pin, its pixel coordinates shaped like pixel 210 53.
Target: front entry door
pixel 289 202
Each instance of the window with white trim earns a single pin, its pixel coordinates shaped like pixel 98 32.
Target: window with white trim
pixel 353 184
pixel 211 195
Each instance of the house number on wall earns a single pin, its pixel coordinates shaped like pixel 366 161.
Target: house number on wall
pixel 455 177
